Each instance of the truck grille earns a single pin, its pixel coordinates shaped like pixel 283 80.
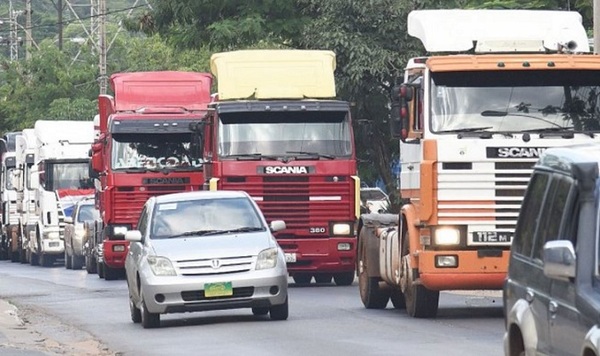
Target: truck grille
pixel 128 201
pixel 300 201
pixel 486 198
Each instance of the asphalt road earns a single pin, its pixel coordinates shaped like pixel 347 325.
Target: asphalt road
pixel 65 312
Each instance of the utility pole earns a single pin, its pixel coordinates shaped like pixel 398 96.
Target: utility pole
pixel 102 44
pixel 13 37
pixel 59 8
pixel 28 38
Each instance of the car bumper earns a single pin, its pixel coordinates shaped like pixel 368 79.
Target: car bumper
pixel 186 293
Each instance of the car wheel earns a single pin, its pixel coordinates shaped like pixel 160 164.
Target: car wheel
pixel 280 312
pixel 371 294
pixel 149 320
pixel 397 298
pixel 323 278
pixel 68 261
pixel 136 313
pixel 302 278
pixel 260 311
pixel 344 279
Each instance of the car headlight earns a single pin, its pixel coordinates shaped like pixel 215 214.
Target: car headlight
pixel 161 266
pixel 267 258
pixel 341 229
pixel 447 236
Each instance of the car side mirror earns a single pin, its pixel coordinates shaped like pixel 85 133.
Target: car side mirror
pixel 133 235
pixel 68 220
pixel 559 259
pixel 277 225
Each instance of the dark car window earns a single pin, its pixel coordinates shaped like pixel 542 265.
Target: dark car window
pixel 143 221
pixel 530 213
pixel 554 208
pixel 204 215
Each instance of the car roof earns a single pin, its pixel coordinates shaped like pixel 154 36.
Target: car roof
pixel 197 195
pixel 566 157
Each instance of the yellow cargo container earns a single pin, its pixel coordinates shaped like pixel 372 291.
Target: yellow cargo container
pixel 274 74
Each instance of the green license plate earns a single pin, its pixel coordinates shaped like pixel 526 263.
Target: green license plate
pixel 223 289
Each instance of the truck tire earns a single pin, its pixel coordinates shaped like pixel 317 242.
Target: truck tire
pixel 302 278
pixel 371 294
pixel 100 269
pixel 110 274
pixel 23 255
pixel 14 256
pixel 420 301
pixel 397 298
pixel 90 265
pixel 344 279
pixel 68 261
pixel 76 262
pixel 323 278
pixel 34 259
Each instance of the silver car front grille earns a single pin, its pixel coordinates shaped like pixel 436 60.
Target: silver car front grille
pixel 214 266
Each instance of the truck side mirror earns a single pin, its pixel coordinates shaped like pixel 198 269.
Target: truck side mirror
pixel 197 139
pixel 402 96
pixel 34 180
pixel 17 181
pixel 96 162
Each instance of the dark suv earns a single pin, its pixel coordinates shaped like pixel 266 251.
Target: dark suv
pixel 552 290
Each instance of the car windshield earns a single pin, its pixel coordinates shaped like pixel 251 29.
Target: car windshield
pixel 88 212
pixel 515 101
pixel 204 216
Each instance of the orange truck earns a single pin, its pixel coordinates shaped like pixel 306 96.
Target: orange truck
pixel 497 88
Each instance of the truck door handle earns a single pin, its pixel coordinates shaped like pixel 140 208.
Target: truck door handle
pixel 552 307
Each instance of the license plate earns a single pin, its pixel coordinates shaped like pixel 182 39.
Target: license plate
pixel 492 236
pixel 290 257
pixel 222 289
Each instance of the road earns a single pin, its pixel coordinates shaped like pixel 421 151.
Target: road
pixel 67 312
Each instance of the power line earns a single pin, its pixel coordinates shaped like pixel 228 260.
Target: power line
pixel 66 22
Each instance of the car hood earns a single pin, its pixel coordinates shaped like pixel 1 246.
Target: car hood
pixel 217 246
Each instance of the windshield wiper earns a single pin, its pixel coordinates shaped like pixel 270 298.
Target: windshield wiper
pixel 313 154
pixel 251 157
pixel 196 233
pixel 242 229
pixel 134 169
pixel 467 129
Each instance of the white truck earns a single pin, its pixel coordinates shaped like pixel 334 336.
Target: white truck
pixel 61 178
pixel 8 197
pixel 26 214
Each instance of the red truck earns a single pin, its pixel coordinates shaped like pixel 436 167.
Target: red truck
pixel 144 148
pixel 277 132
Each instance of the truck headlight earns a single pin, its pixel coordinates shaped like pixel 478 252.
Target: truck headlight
pixel 161 266
pixel 119 230
pixel 447 236
pixel 341 229
pixel 267 258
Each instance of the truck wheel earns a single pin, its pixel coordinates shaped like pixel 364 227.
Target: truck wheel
pixel 90 265
pixel 76 262
pixel 344 279
pixel 34 259
pixel 14 256
pixel 397 298
pixel 420 301
pixel 302 278
pixel 100 269
pixel 68 261
pixel 23 255
pixel 371 294
pixel 110 274
pixel 323 278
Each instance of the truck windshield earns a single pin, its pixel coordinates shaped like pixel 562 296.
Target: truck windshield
pixel 283 133
pixel 515 101
pixel 62 175
pixel 153 151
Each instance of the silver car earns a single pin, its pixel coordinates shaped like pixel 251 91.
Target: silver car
pixel 201 251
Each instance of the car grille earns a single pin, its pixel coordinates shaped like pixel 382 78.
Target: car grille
pixel 210 266
pixel 197 295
